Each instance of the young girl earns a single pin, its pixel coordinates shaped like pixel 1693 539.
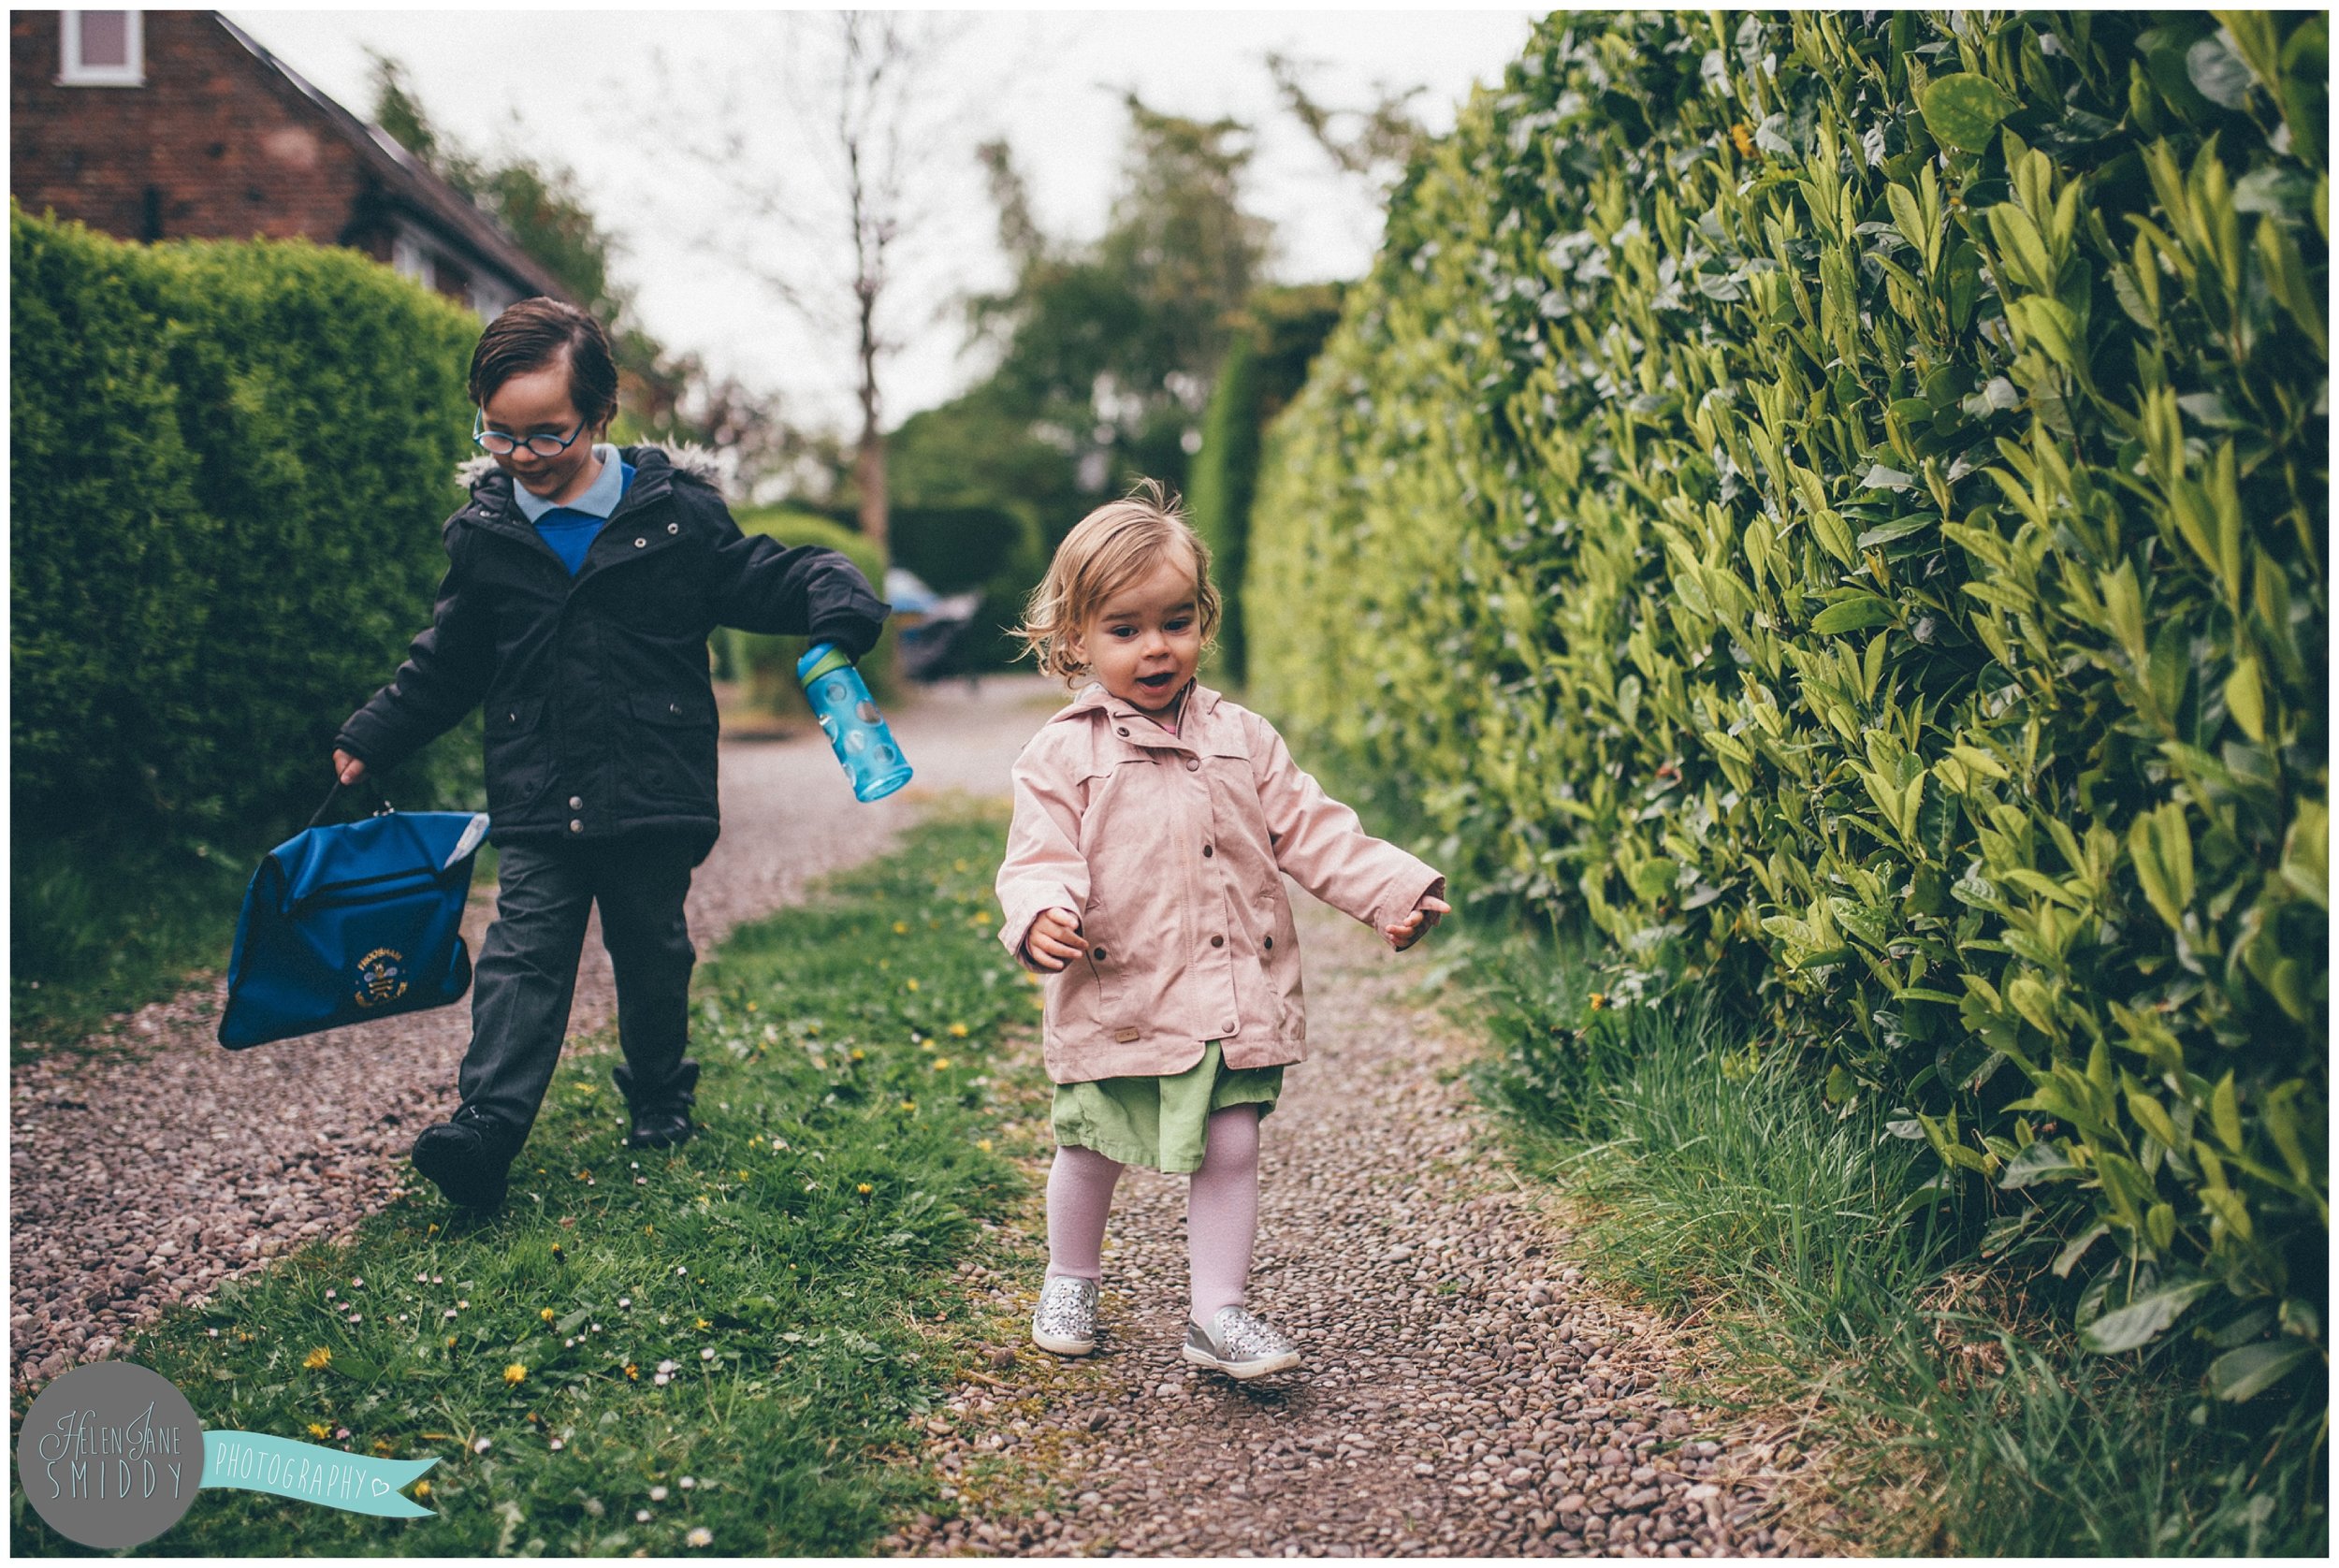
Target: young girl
pixel 582 582
pixel 1154 823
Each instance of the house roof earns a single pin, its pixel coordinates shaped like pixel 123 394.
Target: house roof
pixel 407 180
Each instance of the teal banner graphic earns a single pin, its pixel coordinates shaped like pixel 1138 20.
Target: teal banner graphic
pixel 356 1483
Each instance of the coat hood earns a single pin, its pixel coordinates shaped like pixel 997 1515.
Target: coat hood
pixel 685 457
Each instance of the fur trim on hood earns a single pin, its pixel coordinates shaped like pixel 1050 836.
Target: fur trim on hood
pixel 686 456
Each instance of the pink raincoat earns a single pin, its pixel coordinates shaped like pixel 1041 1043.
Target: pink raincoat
pixel 1172 851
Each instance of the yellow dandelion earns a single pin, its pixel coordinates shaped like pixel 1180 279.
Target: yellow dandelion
pixel 703 1323
pixel 911 983
pixel 1743 140
pixel 984 1144
pixel 432 1231
pixel 982 917
pixel 450 1342
pixel 857 1053
pixel 422 1489
pixel 865 1189
pixel 909 1105
pixel 751 1006
pixel 319 1429
pixel 632 1372
pixel 901 928
pixel 317 1359
pixel 1598 999
pixel 958 1031
pixel 941 1063
pixel 546 1314
pixel 513 1373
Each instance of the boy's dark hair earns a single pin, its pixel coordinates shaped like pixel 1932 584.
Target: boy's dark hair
pixel 537 332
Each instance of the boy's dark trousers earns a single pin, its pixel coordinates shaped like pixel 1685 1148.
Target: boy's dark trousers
pixel 526 975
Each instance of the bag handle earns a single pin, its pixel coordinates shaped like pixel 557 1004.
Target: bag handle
pixel 384 809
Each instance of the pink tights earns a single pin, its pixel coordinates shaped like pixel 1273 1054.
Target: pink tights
pixel 1221 1211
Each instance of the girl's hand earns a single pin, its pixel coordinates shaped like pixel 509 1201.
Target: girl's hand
pixel 1055 939
pixel 1406 932
pixel 346 768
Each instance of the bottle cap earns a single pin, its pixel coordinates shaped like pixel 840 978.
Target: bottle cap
pixel 819 660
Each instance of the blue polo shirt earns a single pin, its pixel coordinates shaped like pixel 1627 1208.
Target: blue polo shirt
pixel 570 529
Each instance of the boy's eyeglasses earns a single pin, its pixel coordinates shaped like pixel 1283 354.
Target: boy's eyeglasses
pixel 500 442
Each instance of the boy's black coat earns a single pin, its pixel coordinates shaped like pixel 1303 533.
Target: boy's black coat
pixel 600 710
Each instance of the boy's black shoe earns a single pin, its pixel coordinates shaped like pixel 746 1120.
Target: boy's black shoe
pixel 659 1129
pixel 472 1165
pixel 664 1121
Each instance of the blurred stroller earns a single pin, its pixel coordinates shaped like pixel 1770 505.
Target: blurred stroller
pixel 934 629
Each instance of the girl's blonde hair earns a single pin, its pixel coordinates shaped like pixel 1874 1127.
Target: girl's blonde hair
pixel 1111 547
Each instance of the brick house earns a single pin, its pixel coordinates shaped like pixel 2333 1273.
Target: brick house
pixel 179 124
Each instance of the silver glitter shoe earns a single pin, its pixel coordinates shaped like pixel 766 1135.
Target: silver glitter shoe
pixel 1065 1321
pixel 1240 1346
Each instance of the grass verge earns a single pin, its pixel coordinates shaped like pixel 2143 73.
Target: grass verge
pixel 738 1337
pixel 1960 1415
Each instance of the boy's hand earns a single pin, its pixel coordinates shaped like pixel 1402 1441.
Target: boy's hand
pixel 1406 932
pixel 346 768
pixel 1055 939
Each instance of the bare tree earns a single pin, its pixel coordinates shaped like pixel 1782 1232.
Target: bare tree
pixel 862 89
pixel 1377 141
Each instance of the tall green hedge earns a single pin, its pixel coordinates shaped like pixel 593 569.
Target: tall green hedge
pixel 1844 505
pixel 229 464
pixel 1281 332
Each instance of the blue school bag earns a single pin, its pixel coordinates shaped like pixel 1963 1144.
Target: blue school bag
pixel 351 922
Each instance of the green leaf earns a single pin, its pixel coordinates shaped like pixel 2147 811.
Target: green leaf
pixel 2218 73
pixel 1963 111
pixel 1855 614
pixel 2040 1162
pixel 2246 699
pixel 2249 1370
pixel 2306 852
pixel 2224 1113
pixel 2077 1247
pixel 1900 527
pixel 2162 846
pixel 2143 1320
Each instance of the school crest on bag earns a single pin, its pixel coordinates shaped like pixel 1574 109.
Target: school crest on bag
pixel 381 977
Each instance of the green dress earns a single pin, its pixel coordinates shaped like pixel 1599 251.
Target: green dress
pixel 1158 1122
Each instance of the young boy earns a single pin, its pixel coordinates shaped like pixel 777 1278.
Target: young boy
pixel 583 585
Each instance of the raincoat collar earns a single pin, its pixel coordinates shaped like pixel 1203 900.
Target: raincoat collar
pixel 1140 727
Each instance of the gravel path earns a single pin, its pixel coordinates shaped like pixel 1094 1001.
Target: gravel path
pixel 1464 1393
pixel 155 1166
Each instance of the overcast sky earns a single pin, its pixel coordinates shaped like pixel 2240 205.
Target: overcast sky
pixel 616 94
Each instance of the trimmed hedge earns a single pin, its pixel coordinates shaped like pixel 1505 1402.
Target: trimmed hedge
pixel 1279 336
pixel 1844 507
pixel 766 662
pixel 229 465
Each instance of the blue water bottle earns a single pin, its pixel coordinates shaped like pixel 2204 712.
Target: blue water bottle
pixel 840 701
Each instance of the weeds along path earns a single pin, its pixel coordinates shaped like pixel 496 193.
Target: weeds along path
pixel 1463 1392
pixel 151 1166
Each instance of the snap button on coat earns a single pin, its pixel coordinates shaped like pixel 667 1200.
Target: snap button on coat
pixel 576 803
